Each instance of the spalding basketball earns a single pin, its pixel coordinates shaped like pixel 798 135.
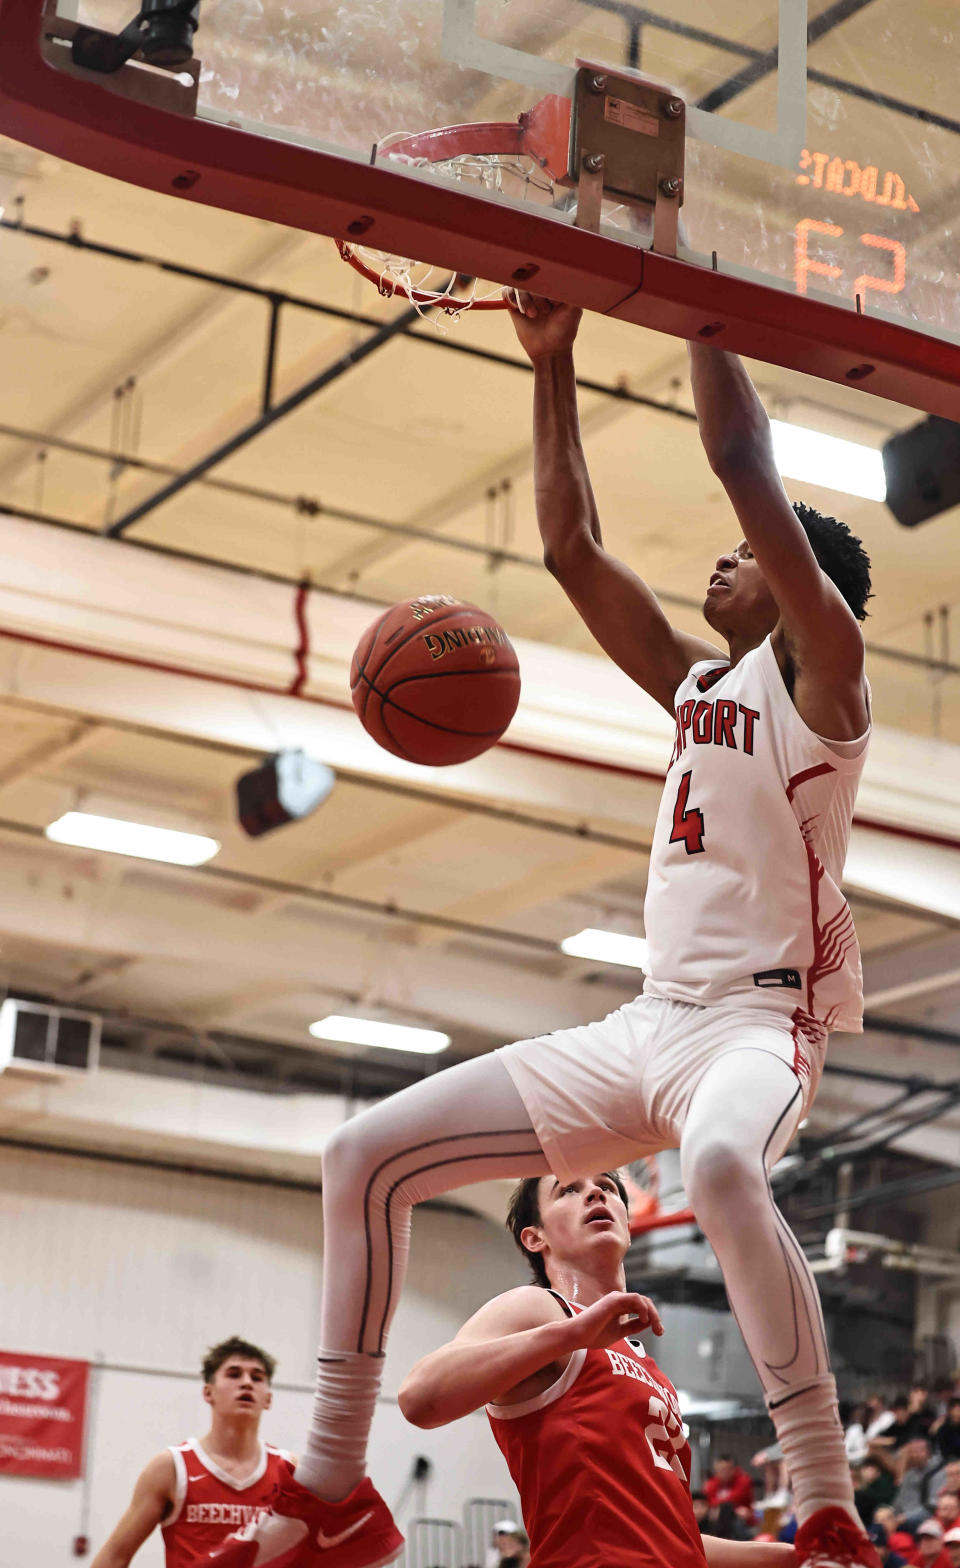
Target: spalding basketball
pixel 435 680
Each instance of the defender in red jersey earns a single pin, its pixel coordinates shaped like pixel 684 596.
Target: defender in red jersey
pixel 589 1425
pixel 199 1491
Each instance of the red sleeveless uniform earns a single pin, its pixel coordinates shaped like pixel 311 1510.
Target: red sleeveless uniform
pixel 602 1465
pixel 209 1504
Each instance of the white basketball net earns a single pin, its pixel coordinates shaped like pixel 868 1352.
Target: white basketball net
pixel 516 175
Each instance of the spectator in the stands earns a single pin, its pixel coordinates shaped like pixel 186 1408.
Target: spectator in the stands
pixel 921 1411
pixel 930 1551
pixel 728 1484
pixel 875 1487
pixel 888 1557
pixel 898 1431
pixel 915 1469
pixel 510 1548
pixel 747 1515
pixel 701 1512
pixel 854 1435
pixel 730 1525
pixel 946 1508
pixel 951 1545
pixel 776 1483
pixel 878 1417
pixel 946 1432
pixel 946 1479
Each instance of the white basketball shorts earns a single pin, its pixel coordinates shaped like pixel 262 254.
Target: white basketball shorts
pixel 600 1095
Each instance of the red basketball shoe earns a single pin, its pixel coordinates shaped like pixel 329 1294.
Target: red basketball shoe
pixel 831 1539
pixel 300 1530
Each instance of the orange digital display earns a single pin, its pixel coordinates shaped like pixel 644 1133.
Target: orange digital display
pixel 804 264
pixel 845 177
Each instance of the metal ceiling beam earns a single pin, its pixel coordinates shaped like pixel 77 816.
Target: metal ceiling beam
pixel 394 913
pixel 52 752
pixel 291 1066
pixel 258 573
pixel 913 971
pixel 430 339
pixel 214 1170
pixel 461 805
pixel 872 1074
pixel 843 1130
pixel 302 505
pixel 311 506
pixel 904 1028
pixel 762 62
pixel 884 1192
pixel 164 343
pixel 827 1154
pixel 340 366
pixel 380 910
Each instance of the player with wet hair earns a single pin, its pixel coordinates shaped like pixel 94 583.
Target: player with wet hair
pixel 590 1427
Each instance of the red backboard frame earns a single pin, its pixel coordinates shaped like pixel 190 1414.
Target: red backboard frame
pixel 81 121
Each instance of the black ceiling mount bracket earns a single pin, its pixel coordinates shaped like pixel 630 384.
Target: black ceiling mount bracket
pixel 161 34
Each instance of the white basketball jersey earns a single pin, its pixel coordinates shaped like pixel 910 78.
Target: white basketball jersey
pixel 743 899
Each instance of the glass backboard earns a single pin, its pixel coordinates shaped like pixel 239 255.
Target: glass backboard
pixel 822 154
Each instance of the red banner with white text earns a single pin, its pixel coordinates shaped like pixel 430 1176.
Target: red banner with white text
pixel 43 1408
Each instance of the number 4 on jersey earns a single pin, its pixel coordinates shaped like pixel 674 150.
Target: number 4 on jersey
pixel 687 824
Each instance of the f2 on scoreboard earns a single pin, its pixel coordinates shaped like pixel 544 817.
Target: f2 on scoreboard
pixel 852 182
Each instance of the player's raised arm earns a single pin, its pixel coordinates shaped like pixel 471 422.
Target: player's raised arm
pixel 821 630
pixel 620 610
pixel 509 1341
pixel 151 1499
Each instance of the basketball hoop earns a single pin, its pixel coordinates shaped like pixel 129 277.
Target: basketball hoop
pixel 523 159
pixel 532 159
pixel 642 1181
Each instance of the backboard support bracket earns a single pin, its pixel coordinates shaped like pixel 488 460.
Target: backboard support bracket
pixel 65 43
pixel 627 138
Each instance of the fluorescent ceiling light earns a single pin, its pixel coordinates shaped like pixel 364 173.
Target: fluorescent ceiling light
pixel 370 1031
pixel 117 837
pixel 610 947
pixel 829 461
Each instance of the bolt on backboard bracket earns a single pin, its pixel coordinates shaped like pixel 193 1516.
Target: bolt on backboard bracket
pixel 627 137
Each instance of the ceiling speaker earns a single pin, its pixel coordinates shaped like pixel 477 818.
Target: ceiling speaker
pixel 922 466
pixel 284 788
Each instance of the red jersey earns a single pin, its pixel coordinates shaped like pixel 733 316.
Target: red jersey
pixel 738 1491
pixel 209 1504
pixel 602 1465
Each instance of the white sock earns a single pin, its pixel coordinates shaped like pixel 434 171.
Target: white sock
pixel 347 1387
pixel 808 1430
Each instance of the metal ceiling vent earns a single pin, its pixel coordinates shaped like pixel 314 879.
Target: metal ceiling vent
pixel 36 1038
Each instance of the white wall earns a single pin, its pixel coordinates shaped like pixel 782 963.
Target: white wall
pixel 143 1269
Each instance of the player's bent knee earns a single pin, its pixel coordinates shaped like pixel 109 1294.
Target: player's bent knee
pixel 348 1154
pixel 359 1156
pixel 719 1172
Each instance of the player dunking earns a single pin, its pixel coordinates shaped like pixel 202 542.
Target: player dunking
pixel 752 958
pixel 199 1491
pixel 590 1427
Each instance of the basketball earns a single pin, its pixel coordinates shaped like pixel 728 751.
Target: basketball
pixel 435 680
